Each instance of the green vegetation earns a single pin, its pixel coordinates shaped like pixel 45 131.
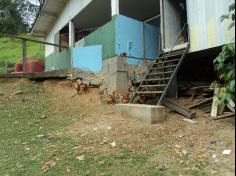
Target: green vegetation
pixel 33 142
pixel 225 64
pixel 11 51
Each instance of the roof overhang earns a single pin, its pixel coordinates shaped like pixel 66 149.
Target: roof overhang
pixel 47 16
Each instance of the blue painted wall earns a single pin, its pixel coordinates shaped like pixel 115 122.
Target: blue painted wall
pixel 130 39
pixel 87 58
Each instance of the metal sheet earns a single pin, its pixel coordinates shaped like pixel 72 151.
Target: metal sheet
pixel 206 30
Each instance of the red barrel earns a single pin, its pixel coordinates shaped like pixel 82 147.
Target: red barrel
pixel 18 68
pixel 34 66
pixel 38 66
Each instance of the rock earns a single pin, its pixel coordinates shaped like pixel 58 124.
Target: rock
pixel 184 152
pixel 88 172
pixel 109 128
pixel 43 117
pixel 226 152
pixel 68 170
pixel 41 136
pixel 190 121
pixel 177 146
pixel 53 164
pixel 113 144
pixel 18 93
pixel 214 156
pixel 80 158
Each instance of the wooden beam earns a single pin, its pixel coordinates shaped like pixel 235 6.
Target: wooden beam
pixel 24 55
pixel 200 103
pixel 35 41
pixel 215 105
pixel 179 108
pixel 225 115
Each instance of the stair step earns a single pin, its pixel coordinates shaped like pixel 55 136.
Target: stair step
pixel 160 73
pixel 160 85
pixel 159 68
pixel 150 92
pixel 159 79
pixel 168 61
pixel 172 54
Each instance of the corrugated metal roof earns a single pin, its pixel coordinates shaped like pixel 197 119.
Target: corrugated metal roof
pixel 47 16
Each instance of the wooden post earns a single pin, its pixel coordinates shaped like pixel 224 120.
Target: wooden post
pixel 24 55
pixel 6 65
pixel 215 105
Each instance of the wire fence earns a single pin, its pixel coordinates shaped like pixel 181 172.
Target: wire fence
pixel 23 55
pixel 6 67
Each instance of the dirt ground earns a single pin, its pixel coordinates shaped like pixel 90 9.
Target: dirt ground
pixel 98 128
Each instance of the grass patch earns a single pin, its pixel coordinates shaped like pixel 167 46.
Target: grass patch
pixel 31 134
pixel 11 51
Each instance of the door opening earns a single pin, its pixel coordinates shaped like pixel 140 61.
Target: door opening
pixel 174 24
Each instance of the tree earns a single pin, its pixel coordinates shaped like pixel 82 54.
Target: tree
pixel 225 63
pixel 29 10
pixel 10 18
pixel 17 16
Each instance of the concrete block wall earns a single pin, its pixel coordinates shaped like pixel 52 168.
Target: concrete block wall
pixel 115 75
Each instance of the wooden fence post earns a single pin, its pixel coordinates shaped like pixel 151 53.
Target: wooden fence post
pixel 6 65
pixel 24 54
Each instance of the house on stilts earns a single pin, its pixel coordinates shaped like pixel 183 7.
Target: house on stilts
pixel 180 38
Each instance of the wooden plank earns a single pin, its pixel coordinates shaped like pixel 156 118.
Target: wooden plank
pixel 215 104
pixel 232 103
pixel 224 116
pixel 200 103
pixel 179 108
pixel 230 108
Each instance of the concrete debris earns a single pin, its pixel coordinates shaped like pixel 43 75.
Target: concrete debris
pixel 227 152
pixel 80 158
pixel 214 156
pixel 190 121
pixel 113 144
pixel 177 146
pixel 184 152
pixel 109 128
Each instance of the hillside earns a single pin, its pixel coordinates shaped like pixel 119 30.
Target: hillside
pixel 11 49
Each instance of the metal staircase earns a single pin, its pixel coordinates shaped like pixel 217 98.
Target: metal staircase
pixel 159 78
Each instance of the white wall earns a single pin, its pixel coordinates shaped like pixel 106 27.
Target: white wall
pixel 206 30
pixel 72 8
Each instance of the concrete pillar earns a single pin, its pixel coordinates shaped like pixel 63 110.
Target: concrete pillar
pixel 115 75
pixel 56 41
pixel 71 34
pixel 115 7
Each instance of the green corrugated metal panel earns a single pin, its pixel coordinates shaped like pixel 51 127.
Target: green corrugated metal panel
pixel 104 36
pixel 58 61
